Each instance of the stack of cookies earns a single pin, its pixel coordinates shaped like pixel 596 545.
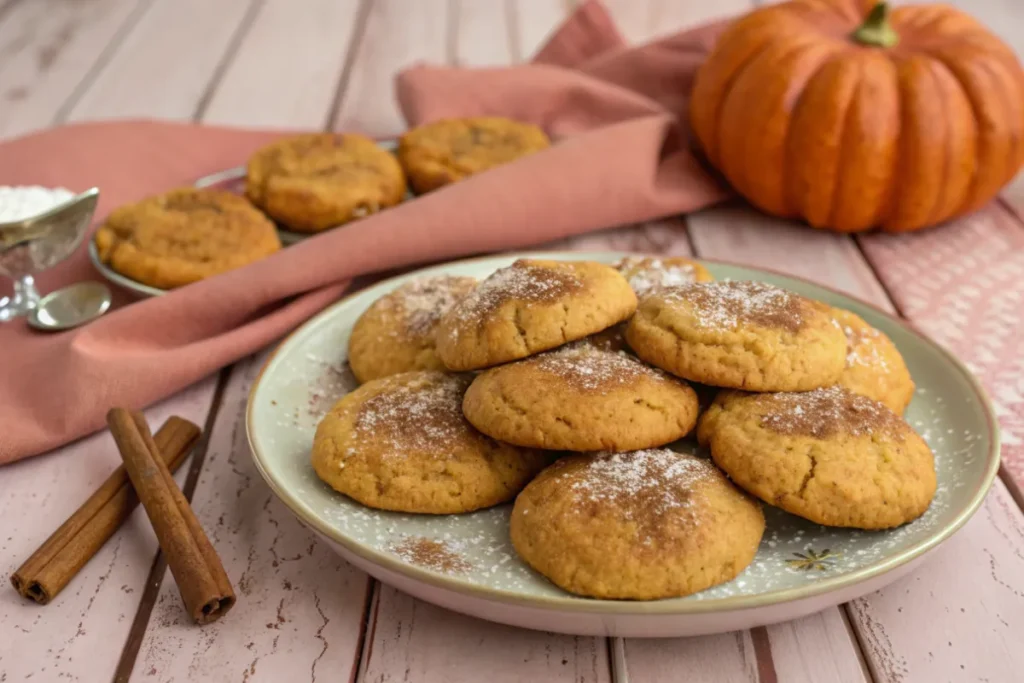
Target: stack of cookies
pixel 561 385
pixel 304 184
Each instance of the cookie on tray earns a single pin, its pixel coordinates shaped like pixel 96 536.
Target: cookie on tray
pixel 397 332
pixel 740 335
pixel 529 307
pixel 312 182
pixel 401 443
pixel 828 455
pixel 635 526
pixel 185 235
pixel 581 398
pixel 647 274
pixel 443 152
pixel 874 366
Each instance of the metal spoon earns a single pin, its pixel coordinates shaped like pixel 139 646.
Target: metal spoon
pixel 70 307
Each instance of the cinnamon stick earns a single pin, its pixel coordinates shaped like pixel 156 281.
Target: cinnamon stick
pixel 45 573
pixel 202 581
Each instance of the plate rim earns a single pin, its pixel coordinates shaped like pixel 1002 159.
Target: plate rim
pixel 673 607
pixel 121 280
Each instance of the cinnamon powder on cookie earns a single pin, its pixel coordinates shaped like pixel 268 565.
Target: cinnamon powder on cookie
pixel 729 303
pixel 826 412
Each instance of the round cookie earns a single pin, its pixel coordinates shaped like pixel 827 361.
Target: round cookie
pixel 647 274
pixel 401 443
pixel 529 307
pixel 874 366
pixel 581 398
pixel 185 235
pixel 397 332
pixel 828 455
pixel 635 526
pixel 443 152
pixel 317 181
pixel 740 335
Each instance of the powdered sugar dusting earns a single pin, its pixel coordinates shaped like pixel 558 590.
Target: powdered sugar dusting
pixel 438 555
pixel 422 302
pixel 422 415
pixel 589 367
pixel 647 274
pixel 725 305
pixel 523 281
pixel 824 412
pixel 862 348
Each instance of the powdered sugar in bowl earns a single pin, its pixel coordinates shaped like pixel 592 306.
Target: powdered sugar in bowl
pixel 39 228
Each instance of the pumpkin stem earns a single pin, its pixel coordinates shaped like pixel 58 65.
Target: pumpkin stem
pixel 876 31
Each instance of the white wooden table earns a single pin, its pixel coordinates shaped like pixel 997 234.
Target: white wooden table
pixel 303 613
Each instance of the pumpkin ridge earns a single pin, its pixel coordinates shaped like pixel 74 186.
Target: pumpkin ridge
pixel 956 188
pixel 947 156
pixel 843 150
pixel 1014 114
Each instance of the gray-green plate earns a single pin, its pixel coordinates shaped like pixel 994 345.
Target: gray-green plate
pixel 800 567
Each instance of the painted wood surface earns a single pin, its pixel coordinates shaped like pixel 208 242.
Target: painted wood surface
pixel 78 636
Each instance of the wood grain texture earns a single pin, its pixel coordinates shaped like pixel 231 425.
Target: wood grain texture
pixel 79 635
pixel 300 607
pixel 165 65
pixel 707 659
pixel 287 66
pixel 47 50
pixel 410 640
pixel 397 35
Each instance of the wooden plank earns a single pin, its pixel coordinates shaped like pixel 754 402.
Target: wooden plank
pixel 533 22
pixel 976 566
pixel 300 607
pixel 482 35
pixel 397 35
pixel 80 634
pixel 707 659
pixel 287 66
pixel 165 65
pixel 48 48
pixel 410 640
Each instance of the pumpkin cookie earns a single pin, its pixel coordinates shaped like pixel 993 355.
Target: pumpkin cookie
pixel 396 334
pixel 742 335
pixel 828 455
pixel 401 443
pixel 183 236
pixel 874 367
pixel 529 307
pixel 581 398
pixel 310 183
pixel 647 274
pixel 440 153
pixel 635 526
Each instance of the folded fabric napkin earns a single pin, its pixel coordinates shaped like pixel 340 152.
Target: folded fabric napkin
pixel 622 156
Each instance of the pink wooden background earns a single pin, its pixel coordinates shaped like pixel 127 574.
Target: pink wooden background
pixel 305 614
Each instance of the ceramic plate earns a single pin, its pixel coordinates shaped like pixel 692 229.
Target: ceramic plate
pixel 800 567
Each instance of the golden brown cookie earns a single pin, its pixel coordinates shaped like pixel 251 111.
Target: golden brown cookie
pixel 317 181
pixel 647 274
pixel 581 398
pixel 401 443
pixel 828 455
pixel 874 366
pixel 443 152
pixel 635 526
pixel 184 235
pixel 529 307
pixel 397 332
pixel 741 335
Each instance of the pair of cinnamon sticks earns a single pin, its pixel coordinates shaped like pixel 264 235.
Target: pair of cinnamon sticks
pixel 146 476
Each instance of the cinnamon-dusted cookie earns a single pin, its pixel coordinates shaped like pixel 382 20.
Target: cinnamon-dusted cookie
pixel 529 307
pixel 397 332
pixel 581 398
pixel 828 455
pixel 443 152
pixel 635 526
pixel 401 443
pixel 179 237
pixel 874 366
pixel 647 274
pixel 316 181
pixel 741 335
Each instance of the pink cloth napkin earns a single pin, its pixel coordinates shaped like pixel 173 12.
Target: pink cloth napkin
pixel 622 157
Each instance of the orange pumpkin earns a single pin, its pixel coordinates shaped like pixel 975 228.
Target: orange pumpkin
pixel 852 117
